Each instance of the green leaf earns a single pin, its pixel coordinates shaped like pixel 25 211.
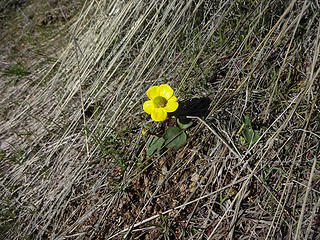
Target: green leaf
pixel 155 145
pixel 147 126
pixel 251 135
pixel 247 120
pixel 174 137
pixel 248 134
pixel 256 136
pixel 149 141
pixel 243 141
pixel 183 124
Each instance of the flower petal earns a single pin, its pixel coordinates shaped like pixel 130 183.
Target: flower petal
pixel 172 104
pixel 165 91
pixel 148 106
pixel 153 92
pixel 159 114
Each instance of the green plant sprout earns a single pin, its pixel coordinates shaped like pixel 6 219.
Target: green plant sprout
pixel 16 70
pixel 173 137
pixel 248 136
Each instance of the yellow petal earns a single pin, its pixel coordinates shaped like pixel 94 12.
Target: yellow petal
pixel 159 114
pixel 148 106
pixel 173 98
pixel 153 92
pixel 172 104
pixel 165 91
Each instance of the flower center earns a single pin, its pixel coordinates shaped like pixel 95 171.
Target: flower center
pixel 160 102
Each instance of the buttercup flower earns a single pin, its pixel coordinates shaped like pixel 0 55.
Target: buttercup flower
pixel 161 101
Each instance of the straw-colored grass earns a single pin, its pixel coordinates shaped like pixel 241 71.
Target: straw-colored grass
pixel 73 158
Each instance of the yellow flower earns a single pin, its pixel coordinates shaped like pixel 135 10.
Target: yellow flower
pixel 161 101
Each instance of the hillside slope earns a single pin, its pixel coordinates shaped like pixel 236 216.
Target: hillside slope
pixel 74 161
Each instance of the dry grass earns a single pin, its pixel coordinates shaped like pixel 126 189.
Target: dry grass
pixel 73 158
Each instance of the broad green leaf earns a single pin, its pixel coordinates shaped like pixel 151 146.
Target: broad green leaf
pixel 184 125
pixel 155 145
pixel 174 137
